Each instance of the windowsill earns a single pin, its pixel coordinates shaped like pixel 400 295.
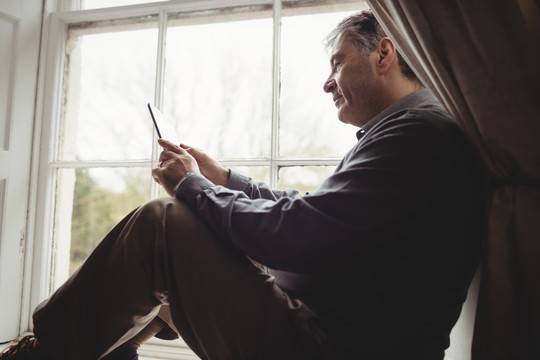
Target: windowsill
pixel 157 349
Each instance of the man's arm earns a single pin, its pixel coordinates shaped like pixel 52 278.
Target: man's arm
pixel 290 233
pixel 402 179
pixel 256 189
pixel 219 175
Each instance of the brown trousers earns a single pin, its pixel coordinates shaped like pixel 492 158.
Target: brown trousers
pixel 222 305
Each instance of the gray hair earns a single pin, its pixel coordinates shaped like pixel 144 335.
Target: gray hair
pixel 366 33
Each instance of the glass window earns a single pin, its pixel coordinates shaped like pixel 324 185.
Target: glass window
pixel 90 201
pixel 308 123
pixel 303 178
pixel 218 85
pixel 259 173
pixel 109 78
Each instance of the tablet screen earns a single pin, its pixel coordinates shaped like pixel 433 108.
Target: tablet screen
pixel 164 127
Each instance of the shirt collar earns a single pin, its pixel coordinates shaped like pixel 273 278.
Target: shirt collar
pixel 403 103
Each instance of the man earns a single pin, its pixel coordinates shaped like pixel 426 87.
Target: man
pixel 374 264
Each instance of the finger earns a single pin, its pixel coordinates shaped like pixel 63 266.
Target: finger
pixel 168 154
pixel 196 153
pixel 167 145
pixel 187 147
pixel 165 155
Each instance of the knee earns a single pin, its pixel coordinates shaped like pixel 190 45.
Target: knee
pixel 178 220
pixel 155 208
pixel 170 212
pixel 151 223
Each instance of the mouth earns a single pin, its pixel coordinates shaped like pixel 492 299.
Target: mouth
pixel 336 98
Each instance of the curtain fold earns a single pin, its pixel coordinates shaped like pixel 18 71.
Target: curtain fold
pixel 482 59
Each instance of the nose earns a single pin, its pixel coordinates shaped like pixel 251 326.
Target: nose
pixel 329 85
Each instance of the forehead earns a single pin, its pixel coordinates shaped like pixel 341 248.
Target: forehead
pixel 343 46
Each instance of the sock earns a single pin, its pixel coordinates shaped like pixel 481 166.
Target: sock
pixel 128 350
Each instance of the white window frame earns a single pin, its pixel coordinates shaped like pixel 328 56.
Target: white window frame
pixel 37 281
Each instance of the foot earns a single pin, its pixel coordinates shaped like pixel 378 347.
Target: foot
pixel 25 349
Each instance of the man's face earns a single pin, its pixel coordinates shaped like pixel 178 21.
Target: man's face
pixel 352 82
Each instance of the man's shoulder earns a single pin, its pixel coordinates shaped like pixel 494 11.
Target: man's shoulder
pixel 419 107
pixel 426 128
pixel 423 106
pixel 424 116
pixel 418 120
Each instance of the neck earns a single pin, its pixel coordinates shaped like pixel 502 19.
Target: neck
pixel 400 89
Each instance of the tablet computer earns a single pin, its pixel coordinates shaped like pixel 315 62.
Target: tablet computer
pixel 164 126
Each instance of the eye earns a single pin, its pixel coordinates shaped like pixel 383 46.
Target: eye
pixel 336 62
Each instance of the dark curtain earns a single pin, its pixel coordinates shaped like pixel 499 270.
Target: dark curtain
pixel 482 59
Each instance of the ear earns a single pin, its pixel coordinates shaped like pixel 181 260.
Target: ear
pixel 386 55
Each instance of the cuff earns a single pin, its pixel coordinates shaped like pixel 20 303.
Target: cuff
pixel 190 186
pixel 238 181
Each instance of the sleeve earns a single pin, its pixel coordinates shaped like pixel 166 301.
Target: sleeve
pixel 275 231
pixel 387 187
pixel 257 189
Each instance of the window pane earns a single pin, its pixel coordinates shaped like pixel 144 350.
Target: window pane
pixel 218 86
pixel 110 79
pixel 309 126
pixel 257 173
pixel 89 202
pixel 303 178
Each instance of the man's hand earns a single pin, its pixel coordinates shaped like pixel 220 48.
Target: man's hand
pixel 174 163
pixel 209 167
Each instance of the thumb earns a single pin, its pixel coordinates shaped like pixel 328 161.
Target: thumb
pixel 196 153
